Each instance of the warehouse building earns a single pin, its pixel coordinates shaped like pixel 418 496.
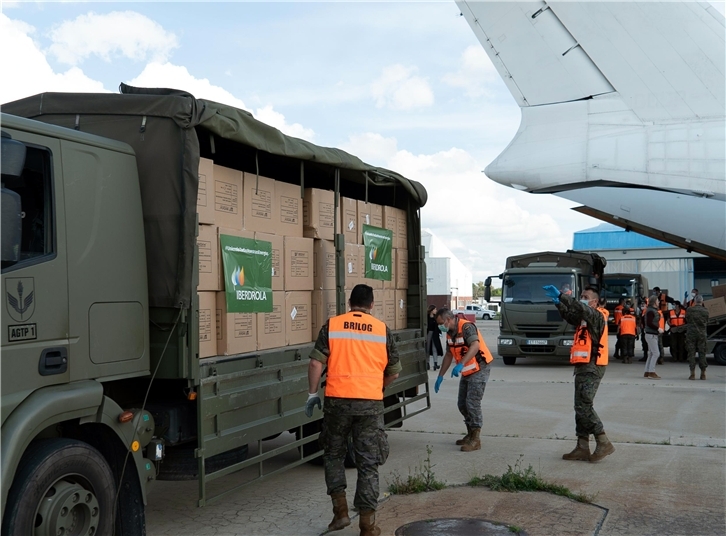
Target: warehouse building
pixel 448 281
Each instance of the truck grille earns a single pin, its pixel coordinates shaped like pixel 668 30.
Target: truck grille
pixel 534 349
pixel 537 328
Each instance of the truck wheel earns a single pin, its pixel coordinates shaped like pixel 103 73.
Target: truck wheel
pixel 62 486
pixel 719 353
pixel 509 360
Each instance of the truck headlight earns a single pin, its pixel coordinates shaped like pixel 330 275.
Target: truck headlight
pixel 506 342
pixel 568 342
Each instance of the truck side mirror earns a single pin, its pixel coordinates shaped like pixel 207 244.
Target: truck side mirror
pixel 12 226
pixel 12 156
pixel 488 289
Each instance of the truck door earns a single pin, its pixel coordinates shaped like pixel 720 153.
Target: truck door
pixel 35 344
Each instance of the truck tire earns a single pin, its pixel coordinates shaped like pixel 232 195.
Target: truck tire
pixel 62 486
pixel 509 360
pixel 719 353
pixel 180 464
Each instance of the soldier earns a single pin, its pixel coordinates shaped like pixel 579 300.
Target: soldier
pixel 590 362
pixel 677 321
pixel 466 346
pixel 362 360
pixel 696 320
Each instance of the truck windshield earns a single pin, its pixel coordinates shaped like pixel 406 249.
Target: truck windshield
pixel 527 288
pixel 618 288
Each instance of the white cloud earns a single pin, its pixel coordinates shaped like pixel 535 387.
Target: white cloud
pixel 399 89
pixel 25 70
pixel 372 148
pixel 178 77
pixel 475 73
pixel 119 33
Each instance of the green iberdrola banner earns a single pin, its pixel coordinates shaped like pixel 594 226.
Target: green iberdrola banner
pixel 247 274
pixel 378 249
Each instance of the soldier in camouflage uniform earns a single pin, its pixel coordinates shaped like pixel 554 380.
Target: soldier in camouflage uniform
pixel 696 320
pixel 357 416
pixel 587 375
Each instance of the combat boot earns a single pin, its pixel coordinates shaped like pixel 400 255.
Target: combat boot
pixel 474 443
pixel 466 437
pixel 703 373
pixel 340 511
pixel 581 451
pixel 693 374
pixel 367 523
pixel 603 448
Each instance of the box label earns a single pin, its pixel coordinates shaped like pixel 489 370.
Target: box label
pixel 261 203
pixel 226 196
pixel 300 264
pixel 289 210
pixel 247 273
pixel 378 246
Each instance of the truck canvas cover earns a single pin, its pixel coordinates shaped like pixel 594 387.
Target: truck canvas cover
pixel 164 127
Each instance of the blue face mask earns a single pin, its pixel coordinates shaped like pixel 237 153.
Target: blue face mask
pixel 585 302
pixel 442 328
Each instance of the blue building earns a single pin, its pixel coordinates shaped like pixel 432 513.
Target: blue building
pixel 664 265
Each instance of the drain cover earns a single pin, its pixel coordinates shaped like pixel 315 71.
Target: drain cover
pixel 455 527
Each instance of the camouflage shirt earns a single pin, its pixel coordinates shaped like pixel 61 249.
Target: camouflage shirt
pixel 355 406
pixel 696 318
pixel 574 312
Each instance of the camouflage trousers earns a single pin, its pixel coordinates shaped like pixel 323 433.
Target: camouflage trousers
pixel 370 446
pixel 586 420
pixel 471 391
pixel 696 342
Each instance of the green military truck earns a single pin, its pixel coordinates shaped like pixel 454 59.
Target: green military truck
pixel 529 323
pixel 631 287
pixel 100 271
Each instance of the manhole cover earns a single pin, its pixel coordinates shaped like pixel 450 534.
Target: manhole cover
pixel 457 527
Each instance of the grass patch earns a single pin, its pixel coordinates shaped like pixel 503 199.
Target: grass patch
pixel 515 529
pixel 418 481
pixel 518 479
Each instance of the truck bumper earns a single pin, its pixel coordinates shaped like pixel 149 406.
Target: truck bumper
pixel 522 347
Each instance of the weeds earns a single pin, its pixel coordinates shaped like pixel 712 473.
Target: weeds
pixel 515 529
pixel 424 479
pixel 518 479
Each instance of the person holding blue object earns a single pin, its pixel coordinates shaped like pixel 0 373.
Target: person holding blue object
pixel 465 346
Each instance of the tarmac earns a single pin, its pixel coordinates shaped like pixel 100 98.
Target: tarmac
pixel 667 475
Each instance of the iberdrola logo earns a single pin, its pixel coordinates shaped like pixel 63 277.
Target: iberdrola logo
pixel 374 265
pixel 238 277
pixel 373 254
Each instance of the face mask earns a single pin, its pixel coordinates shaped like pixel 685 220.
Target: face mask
pixel 585 302
pixel 442 328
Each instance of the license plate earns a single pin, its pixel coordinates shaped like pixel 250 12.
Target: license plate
pixel 537 342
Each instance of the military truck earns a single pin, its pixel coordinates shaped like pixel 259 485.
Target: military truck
pixel 101 322
pixel 529 323
pixel 632 287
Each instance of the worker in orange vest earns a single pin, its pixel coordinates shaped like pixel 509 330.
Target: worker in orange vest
pixel 590 362
pixel 692 298
pixel 362 360
pixel 627 331
pixel 677 323
pixel 617 315
pixel 466 346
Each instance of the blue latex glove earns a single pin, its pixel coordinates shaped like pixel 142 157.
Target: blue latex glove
pixel 552 292
pixel 313 400
pixel 438 383
pixel 457 370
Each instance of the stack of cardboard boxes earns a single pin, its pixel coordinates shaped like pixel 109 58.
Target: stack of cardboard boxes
pixel 717 305
pixel 300 229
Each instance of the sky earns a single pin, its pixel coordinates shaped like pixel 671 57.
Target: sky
pixel 404 86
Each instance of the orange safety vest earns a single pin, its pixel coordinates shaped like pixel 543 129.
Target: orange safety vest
pixel 358 356
pixel 677 319
pixel 604 338
pixel 661 322
pixel 662 301
pixel 618 314
pixel 582 346
pixel 458 348
pixel 627 325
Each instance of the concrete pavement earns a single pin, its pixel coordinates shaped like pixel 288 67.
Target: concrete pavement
pixel 666 477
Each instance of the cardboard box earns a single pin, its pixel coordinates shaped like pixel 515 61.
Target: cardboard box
pixel 298 328
pixel 205 194
pixel 402 269
pixel 716 307
pixel 236 332
pixel 401 229
pixel 389 308
pixel 229 232
pixel 207 324
pixel 323 307
pixel 209 265
pixel 271 326
pixel 258 198
pixel 288 209
pixel 298 262
pixel 227 197
pixel 390 222
pixel 401 310
pixel 718 291
pixel 369 214
pixel 352 265
pixel 318 214
pixel 323 265
pixel 349 220
pixel 278 266
pixel 375 284
pixel 391 285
